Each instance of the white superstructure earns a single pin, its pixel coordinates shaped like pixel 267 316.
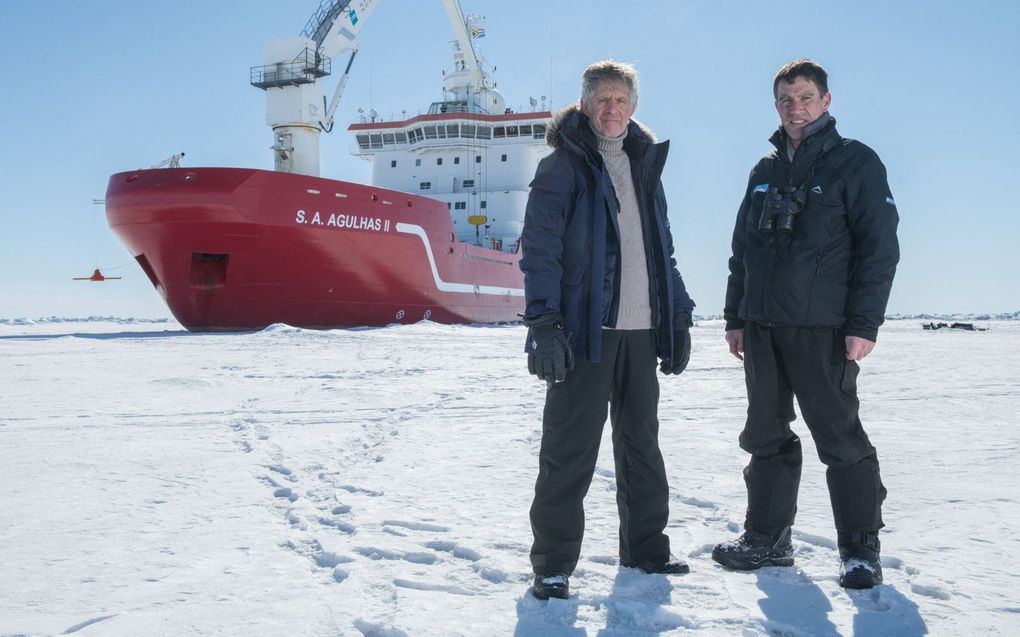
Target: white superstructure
pixel 469 151
pixel 479 165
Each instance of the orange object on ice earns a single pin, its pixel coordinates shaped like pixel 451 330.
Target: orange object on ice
pixel 96 276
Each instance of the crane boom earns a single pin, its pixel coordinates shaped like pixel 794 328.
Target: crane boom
pixel 296 108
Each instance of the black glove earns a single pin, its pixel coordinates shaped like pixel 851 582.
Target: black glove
pixel 549 353
pixel 681 355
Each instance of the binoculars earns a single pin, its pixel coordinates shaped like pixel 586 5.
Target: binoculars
pixel 781 206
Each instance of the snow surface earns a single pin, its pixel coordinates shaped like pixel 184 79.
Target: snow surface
pixel 377 482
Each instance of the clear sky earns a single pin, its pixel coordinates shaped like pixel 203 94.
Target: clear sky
pixel 94 88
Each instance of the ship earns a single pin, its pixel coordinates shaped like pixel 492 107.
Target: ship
pixel 434 236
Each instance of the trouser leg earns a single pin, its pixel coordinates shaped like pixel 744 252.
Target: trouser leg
pixel 773 474
pixel 825 383
pixel 642 492
pixel 572 422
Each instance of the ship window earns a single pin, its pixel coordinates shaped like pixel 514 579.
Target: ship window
pixel 425 185
pixel 430 132
pixel 484 132
pixel 401 138
pixel 376 140
pixel 511 131
pixel 483 204
pixel 499 131
pixel 467 130
pixel 439 161
pixel 417 162
pixel 456 160
pixel 539 131
pixel 363 142
pixel 441 131
pixel 387 138
pixel 451 130
pixel 468 183
pixel 393 163
pixel 503 157
pixel 525 130
pixel 478 159
pixel 460 205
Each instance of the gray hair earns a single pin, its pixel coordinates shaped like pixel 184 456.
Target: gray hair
pixel 608 71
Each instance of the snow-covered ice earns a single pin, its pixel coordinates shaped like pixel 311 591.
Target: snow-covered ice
pixel 377 482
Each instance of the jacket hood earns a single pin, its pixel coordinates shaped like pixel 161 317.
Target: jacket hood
pixel 570 119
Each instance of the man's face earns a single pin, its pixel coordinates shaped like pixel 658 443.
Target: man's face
pixel 798 104
pixel 610 108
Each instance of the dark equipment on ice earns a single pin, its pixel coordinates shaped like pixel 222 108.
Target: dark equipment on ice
pixel 955 326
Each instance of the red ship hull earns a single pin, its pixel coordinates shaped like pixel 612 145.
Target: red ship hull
pixel 241 249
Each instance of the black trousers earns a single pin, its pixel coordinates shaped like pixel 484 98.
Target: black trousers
pixel 572 424
pixel 811 364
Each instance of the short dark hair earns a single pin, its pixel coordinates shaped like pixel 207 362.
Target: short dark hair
pixel 807 69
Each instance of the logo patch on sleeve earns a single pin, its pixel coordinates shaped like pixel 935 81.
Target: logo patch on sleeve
pixel 761 188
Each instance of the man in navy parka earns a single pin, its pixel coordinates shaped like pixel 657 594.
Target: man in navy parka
pixel 605 302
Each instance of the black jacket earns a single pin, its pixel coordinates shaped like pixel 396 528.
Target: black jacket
pixel 571 243
pixel 835 269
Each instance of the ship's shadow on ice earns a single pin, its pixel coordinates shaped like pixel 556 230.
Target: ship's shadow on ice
pixel 104 336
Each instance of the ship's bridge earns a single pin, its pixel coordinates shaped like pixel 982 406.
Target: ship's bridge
pixel 479 164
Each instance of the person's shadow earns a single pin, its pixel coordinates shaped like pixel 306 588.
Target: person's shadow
pixel 884 610
pixel 549 618
pixel 637 602
pixel 794 603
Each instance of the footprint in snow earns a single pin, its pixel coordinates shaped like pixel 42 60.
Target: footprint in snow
pixel 350 488
pixel 373 553
pixel 417 526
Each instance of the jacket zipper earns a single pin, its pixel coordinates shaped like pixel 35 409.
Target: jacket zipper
pixel 811 287
pixel 766 289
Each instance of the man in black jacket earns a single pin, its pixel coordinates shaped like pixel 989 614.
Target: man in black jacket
pixel 814 254
pixel 604 302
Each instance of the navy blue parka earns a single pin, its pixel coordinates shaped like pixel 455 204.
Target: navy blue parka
pixel 570 241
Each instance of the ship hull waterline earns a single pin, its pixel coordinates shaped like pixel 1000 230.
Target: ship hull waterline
pixel 234 249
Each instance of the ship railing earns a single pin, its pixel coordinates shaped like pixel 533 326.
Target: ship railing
pixel 307 67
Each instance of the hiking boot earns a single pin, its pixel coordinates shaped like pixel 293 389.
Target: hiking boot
pixel 670 565
pixel 547 586
pixel 860 562
pixel 753 550
pixel 858 573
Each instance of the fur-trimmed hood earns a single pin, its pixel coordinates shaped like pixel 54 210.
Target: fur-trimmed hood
pixel 569 121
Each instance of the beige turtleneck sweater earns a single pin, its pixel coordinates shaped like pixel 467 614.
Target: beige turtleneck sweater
pixel 635 310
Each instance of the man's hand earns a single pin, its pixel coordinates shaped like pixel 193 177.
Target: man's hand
pixel 857 348
pixel 681 354
pixel 735 338
pixel 549 353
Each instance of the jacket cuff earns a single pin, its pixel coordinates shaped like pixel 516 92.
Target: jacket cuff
pixel 734 324
pixel 549 318
pixel 871 335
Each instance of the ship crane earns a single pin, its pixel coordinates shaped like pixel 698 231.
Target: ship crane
pixel 296 107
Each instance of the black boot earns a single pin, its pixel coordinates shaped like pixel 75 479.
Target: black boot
pixel 860 563
pixel 753 550
pixel 670 565
pixel 547 586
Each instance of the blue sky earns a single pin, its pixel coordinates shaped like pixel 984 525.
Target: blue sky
pixel 94 88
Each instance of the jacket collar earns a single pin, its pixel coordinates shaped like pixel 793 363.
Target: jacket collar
pixel 821 137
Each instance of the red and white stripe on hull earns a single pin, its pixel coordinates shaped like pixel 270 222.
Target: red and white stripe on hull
pixel 240 249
